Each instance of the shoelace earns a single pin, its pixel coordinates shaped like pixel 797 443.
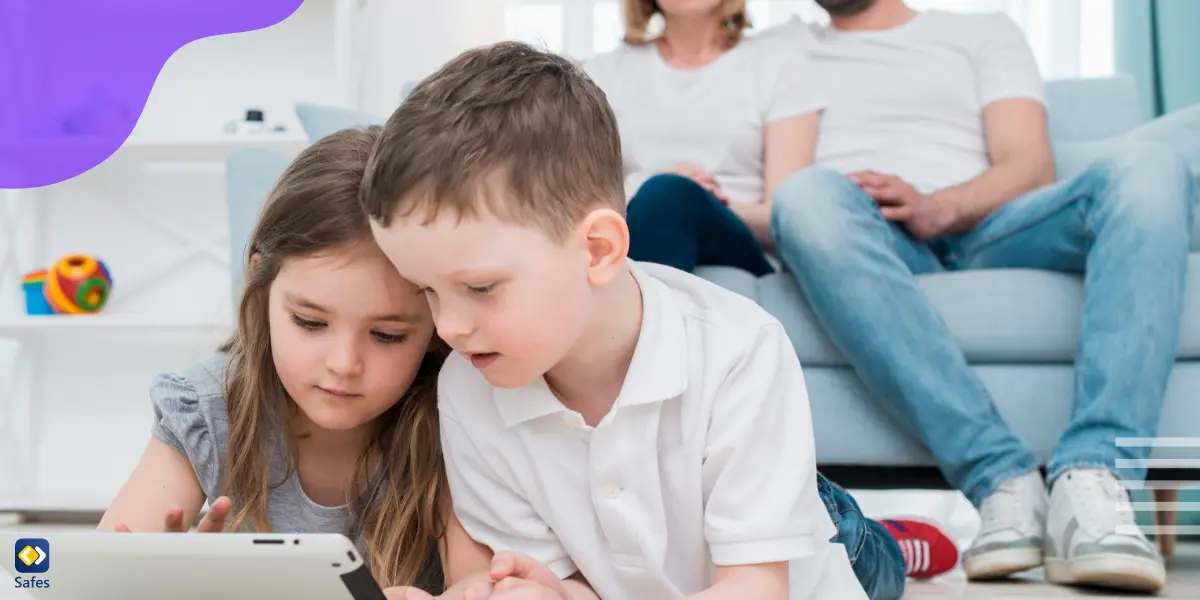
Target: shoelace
pixel 999 507
pixel 1095 495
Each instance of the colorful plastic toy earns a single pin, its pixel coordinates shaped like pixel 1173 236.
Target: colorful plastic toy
pixel 74 285
pixel 35 298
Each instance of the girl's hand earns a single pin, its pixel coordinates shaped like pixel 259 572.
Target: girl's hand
pixel 213 521
pixel 701 177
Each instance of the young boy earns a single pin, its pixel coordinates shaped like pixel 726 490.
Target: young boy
pixel 638 431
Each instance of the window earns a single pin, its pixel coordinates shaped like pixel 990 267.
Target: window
pixel 1070 38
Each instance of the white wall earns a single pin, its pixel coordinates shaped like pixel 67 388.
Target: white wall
pixel 406 40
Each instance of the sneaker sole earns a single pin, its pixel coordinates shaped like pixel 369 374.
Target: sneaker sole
pixel 1116 571
pixel 998 564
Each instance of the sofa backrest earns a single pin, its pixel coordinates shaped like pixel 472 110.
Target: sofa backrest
pixel 249 176
pixel 1084 110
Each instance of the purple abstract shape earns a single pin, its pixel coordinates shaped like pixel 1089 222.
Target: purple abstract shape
pixel 75 74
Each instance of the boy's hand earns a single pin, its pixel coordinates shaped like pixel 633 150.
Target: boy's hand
pixel 406 593
pixel 513 588
pixel 213 521
pixel 506 565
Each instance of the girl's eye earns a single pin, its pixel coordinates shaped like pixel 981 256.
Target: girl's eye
pixel 389 338
pixel 425 290
pixel 307 324
pixel 481 290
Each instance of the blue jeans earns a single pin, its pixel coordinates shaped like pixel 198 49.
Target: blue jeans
pixel 675 222
pixel 874 553
pixel 1123 222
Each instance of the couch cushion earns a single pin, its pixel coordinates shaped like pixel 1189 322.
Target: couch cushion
pixel 997 316
pixel 1035 400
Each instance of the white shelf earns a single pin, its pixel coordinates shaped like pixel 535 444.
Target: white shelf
pixel 50 503
pixel 49 325
pixel 211 149
pixel 142 150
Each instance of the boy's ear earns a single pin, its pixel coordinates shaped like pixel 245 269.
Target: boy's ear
pixel 605 236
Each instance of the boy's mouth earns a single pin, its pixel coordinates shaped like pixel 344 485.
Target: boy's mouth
pixel 482 360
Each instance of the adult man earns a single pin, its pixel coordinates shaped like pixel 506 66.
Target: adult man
pixel 933 154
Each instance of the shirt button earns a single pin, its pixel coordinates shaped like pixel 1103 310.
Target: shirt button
pixel 612 490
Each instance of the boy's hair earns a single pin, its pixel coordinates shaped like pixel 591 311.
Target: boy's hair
pixel 522 132
pixel 313 209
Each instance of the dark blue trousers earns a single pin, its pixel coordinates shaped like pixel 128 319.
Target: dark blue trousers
pixel 674 221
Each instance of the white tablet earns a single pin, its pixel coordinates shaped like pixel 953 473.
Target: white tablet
pixel 191 566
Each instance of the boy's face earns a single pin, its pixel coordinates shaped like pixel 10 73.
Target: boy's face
pixel 505 296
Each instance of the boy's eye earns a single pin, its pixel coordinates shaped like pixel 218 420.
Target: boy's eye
pixel 307 324
pixel 389 338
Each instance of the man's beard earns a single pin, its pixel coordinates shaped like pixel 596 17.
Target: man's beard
pixel 845 8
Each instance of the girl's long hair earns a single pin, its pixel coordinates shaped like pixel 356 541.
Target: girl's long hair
pixel 313 209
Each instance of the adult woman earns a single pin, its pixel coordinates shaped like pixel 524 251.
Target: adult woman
pixel 711 122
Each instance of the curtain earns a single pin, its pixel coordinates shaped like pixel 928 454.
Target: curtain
pixel 1156 43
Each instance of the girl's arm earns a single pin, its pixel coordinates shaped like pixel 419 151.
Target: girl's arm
pixel 464 561
pixel 788 146
pixel 162 479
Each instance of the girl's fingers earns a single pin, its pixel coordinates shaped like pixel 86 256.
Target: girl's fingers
pixel 214 520
pixel 173 522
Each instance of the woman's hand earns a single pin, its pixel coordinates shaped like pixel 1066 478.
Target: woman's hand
pixel 213 521
pixel 703 178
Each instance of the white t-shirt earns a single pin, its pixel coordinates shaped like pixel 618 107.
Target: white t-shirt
pixel 712 116
pixel 707 457
pixel 909 100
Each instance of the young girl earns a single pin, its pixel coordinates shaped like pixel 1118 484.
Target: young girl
pixel 323 416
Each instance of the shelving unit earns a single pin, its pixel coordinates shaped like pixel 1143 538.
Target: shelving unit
pixel 74 410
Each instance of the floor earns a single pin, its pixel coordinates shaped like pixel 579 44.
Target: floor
pixel 1183 576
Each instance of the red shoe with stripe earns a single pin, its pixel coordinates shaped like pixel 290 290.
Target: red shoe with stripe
pixel 928 551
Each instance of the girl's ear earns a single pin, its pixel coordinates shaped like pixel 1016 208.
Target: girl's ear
pixel 254 259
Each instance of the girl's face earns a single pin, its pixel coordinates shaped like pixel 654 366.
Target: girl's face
pixel 347 335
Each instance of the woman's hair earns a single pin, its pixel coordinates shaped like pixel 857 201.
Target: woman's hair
pixel 638 13
pixel 313 209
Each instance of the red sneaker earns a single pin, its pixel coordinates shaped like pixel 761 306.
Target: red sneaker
pixel 928 551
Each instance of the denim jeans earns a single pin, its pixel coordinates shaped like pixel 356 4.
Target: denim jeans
pixel 874 554
pixel 675 222
pixel 1123 222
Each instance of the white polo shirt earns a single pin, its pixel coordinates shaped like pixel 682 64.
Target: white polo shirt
pixel 705 458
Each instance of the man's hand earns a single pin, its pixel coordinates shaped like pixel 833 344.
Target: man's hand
pixel 213 521
pixel 923 217
pixel 700 176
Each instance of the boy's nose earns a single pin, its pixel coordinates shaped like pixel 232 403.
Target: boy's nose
pixel 453 325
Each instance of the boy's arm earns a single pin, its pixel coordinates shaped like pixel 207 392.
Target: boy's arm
pixel 760 463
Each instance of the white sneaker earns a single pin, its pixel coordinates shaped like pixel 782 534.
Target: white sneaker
pixel 1014 520
pixel 1089 541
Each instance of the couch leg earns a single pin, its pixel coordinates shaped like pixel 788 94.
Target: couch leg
pixel 1165 517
